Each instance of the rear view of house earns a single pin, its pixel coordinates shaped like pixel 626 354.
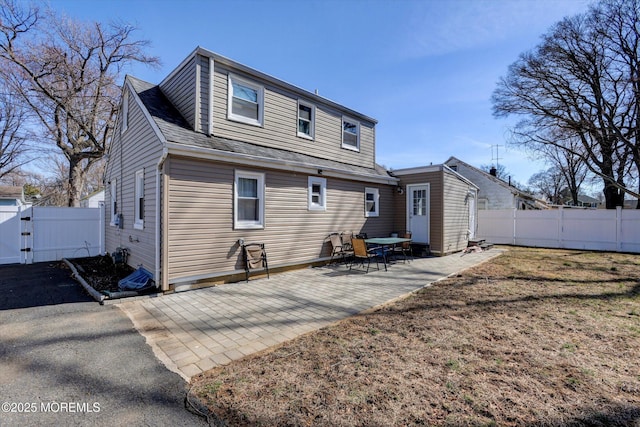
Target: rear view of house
pixel 218 154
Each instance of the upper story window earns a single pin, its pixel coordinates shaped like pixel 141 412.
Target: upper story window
pixel 249 200
pixel 350 134
pixel 371 199
pixel 317 193
pixel 125 112
pixel 306 119
pixel 138 207
pixel 246 101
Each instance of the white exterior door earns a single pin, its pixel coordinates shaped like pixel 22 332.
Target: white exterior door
pixel 418 212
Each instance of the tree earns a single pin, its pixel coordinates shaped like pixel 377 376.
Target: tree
pixel 581 85
pixel 67 73
pixel 549 183
pixel 12 135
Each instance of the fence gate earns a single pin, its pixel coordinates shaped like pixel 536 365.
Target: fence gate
pixel 39 234
pixel 10 235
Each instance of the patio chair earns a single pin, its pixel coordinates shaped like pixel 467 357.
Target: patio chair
pixel 361 252
pixel 339 249
pixel 404 247
pixel 255 256
pixel 346 237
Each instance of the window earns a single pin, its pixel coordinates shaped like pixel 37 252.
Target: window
pixel 371 202
pixel 306 120
pixel 246 101
pixel 125 112
pixel 249 200
pixel 350 134
pixel 317 193
pixel 139 200
pixel 113 190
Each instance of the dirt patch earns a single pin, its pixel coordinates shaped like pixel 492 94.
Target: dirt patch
pixel 101 273
pixel 534 337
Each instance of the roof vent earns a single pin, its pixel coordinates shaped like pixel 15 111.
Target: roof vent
pixel 493 171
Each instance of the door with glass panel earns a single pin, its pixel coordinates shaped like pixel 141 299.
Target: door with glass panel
pixel 418 212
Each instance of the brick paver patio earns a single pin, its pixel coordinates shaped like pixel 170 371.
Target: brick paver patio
pixel 194 331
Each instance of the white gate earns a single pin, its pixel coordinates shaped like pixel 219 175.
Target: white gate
pixel 10 237
pixel 39 234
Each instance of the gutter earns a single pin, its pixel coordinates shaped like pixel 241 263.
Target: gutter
pixel 159 166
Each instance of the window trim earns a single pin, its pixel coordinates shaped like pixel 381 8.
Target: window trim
pixel 138 191
pixel 357 124
pixel 248 225
pixel 125 112
pixel 260 95
pixel 376 196
pixel 114 201
pixel 322 206
pixel 312 121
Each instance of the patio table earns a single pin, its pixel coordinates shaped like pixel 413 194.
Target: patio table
pixel 384 242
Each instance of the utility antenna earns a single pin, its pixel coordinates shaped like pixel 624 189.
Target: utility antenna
pixel 497 158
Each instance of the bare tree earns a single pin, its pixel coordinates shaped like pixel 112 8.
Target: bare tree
pixel 12 135
pixel 67 72
pixel 574 84
pixel 549 183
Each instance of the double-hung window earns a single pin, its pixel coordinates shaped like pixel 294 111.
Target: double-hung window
pixel 113 192
pixel 317 193
pixel 350 134
pixel 124 124
pixel 138 207
pixel 246 101
pixel 306 119
pixel 371 202
pixel 249 200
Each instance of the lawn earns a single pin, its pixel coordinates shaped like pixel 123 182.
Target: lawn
pixel 533 337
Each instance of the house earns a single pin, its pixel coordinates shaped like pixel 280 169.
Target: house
pixel 93 200
pixel 494 193
pixel 439 206
pixel 218 154
pixel 11 196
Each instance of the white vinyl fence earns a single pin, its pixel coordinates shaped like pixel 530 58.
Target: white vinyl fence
pixel 38 234
pixel 592 229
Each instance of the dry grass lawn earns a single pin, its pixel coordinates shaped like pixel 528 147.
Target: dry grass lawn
pixel 534 337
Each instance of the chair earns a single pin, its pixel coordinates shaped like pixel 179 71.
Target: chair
pixel 346 237
pixel 255 256
pixel 404 247
pixel 339 249
pixel 361 252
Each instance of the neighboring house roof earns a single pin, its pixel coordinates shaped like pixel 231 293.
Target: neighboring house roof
pixel 178 136
pixel 536 203
pixel 11 192
pixel 433 168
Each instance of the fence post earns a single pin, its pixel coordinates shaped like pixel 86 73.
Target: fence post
pixel 560 227
pixel 619 228
pixel 515 215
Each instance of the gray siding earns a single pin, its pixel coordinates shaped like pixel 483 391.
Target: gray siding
pixel 279 129
pixel 180 89
pixel 141 150
pixel 456 214
pixel 436 220
pixel 490 193
pixel 201 239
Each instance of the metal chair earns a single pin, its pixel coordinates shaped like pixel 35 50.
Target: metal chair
pixel 339 249
pixel 404 247
pixel 255 256
pixel 361 252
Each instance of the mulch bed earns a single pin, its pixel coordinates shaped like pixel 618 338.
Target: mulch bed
pixel 101 273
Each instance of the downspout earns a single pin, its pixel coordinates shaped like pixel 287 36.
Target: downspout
pixel 158 230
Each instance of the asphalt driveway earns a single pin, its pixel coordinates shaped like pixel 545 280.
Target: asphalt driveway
pixel 66 360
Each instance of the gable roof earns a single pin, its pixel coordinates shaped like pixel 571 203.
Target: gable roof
pixel 490 177
pixel 178 137
pixel 11 192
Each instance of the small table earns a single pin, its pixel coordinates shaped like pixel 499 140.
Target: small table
pixel 386 241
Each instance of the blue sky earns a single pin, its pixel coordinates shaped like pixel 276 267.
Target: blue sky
pixel 424 69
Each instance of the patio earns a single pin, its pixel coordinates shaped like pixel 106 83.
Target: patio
pixel 194 331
